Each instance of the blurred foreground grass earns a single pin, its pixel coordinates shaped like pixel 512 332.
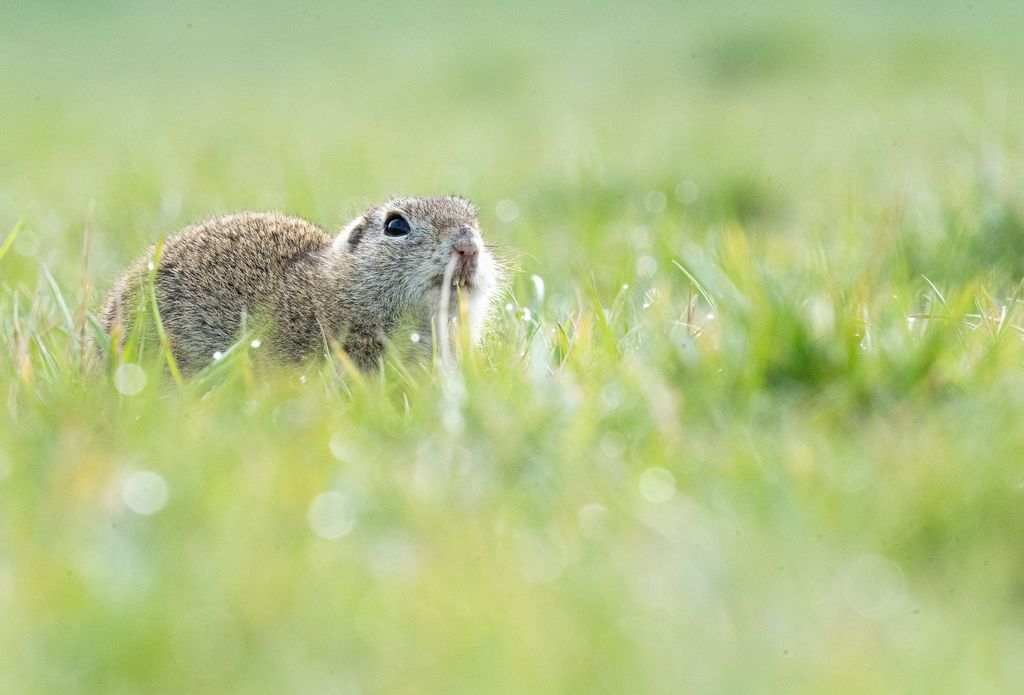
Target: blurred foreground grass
pixel 750 420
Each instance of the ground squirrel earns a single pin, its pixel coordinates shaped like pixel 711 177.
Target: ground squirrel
pixel 405 258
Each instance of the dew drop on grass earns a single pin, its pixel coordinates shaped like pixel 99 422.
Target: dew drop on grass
pixel 414 337
pixel 129 379
pixel 217 355
pixel 657 485
pixel 144 492
pixel 527 315
pixel 331 515
pixel 509 308
pixel 255 343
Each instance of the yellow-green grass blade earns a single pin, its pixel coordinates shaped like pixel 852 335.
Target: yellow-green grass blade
pixel 9 239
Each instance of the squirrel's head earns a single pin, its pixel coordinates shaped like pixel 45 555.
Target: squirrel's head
pixel 411 245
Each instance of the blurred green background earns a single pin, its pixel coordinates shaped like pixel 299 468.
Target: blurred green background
pixel 748 420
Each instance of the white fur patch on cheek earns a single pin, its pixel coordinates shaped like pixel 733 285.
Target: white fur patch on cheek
pixel 341 241
pixel 486 271
pixel 479 306
pixel 481 298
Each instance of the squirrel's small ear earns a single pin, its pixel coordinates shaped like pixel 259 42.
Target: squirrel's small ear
pixel 349 237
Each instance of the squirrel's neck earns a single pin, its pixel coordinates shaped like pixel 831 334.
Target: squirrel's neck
pixel 351 297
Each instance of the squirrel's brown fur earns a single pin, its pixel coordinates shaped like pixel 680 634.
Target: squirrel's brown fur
pixel 305 289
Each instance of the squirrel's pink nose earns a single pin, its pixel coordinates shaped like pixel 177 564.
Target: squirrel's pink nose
pixel 466 247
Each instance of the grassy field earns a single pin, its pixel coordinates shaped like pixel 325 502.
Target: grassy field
pixel 749 420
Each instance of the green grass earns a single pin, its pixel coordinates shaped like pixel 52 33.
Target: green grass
pixel 750 421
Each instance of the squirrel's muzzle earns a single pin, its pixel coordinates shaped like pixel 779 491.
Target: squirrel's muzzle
pixel 465 245
pixel 466 250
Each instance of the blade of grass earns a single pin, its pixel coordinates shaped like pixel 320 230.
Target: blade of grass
pixel 86 290
pixel 11 236
pixel 696 285
pixel 938 294
pixel 65 313
pixel 165 344
pixel 1012 307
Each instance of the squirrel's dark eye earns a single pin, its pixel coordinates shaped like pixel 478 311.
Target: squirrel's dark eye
pixel 396 226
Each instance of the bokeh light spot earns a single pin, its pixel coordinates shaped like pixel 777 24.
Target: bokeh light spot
pixel 507 210
pixel 145 492
pixel 331 515
pixel 129 379
pixel 655 201
pixel 687 192
pixel 657 485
